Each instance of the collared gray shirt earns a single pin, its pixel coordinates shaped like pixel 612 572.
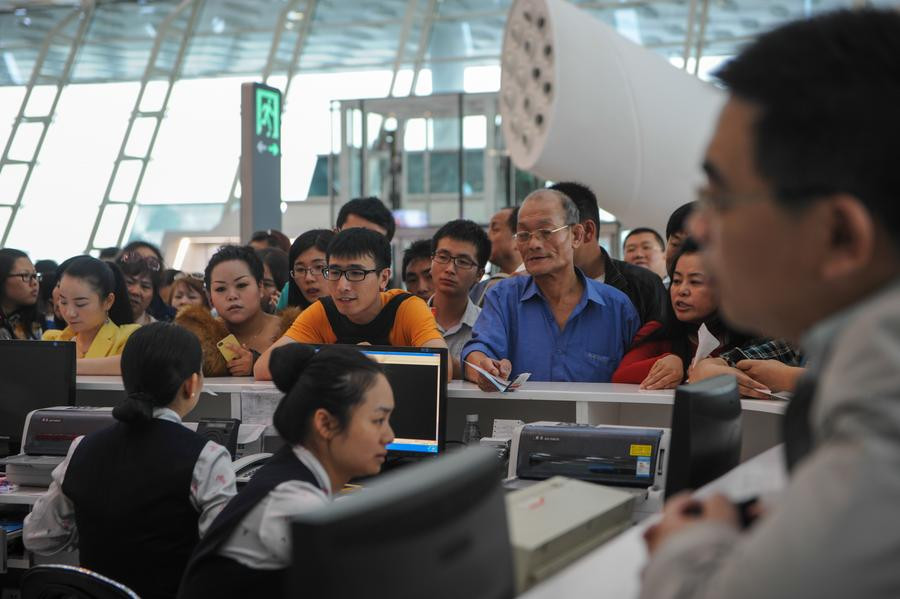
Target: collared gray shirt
pixel 834 533
pixel 457 336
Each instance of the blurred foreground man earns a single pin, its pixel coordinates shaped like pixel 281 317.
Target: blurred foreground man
pixel 801 225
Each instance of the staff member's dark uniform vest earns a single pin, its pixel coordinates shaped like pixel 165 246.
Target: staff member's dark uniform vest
pixel 376 332
pixel 131 489
pixel 210 575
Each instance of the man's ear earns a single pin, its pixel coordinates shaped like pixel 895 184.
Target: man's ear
pixel 590 231
pixel 384 278
pixel 577 235
pixel 851 237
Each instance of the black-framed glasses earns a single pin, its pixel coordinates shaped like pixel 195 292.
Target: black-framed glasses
pixel 300 272
pixel 150 262
pixel 354 275
pixel 542 234
pixel 459 261
pixel 27 277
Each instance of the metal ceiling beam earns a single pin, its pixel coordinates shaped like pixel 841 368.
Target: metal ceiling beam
pixel 168 29
pixel 80 18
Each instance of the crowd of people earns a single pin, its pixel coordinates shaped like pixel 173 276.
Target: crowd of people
pixel 536 292
pixel 794 236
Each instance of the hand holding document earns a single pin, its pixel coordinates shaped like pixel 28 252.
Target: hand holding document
pixel 502 385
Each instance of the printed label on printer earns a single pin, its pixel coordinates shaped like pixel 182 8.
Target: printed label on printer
pixel 641 450
pixel 643 466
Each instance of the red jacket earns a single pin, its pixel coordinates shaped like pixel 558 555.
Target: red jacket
pixel 636 363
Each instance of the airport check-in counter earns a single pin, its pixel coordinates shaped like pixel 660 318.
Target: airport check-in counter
pixel 583 403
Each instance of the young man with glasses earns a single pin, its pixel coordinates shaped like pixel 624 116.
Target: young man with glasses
pixel 358 311
pixel 460 253
pixel 801 228
pixel 556 324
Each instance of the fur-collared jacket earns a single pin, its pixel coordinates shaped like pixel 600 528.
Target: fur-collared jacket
pixel 210 329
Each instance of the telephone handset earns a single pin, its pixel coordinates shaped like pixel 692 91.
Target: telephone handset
pixel 247 466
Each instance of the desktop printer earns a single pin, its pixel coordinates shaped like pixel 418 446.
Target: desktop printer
pixel 46 439
pixel 631 458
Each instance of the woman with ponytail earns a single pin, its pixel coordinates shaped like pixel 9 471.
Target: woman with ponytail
pixel 136 497
pixel 334 419
pixel 93 300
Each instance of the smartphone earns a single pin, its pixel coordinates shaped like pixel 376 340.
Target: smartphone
pixel 223 345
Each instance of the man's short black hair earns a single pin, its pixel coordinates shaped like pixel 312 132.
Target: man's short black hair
pixel 678 220
pixel 584 198
pixel 421 248
pixel 373 210
pixel 357 243
pixel 639 230
pixel 828 92
pixel 467 231
pixel 513 219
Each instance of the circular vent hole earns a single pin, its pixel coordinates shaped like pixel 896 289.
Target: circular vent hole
pixel 548 88
pixel 539 120
pixel 536 73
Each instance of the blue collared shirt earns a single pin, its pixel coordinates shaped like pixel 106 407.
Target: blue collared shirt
pixel 516 323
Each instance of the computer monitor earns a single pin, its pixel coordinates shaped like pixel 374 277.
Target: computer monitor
pixel 33 375
pixel 436 530
pixel 418 377
pixel 706 433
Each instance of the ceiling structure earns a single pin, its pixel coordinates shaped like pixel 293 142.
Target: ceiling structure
pixel 233 37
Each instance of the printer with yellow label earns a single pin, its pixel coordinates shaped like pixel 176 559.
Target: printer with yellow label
pixel 631 458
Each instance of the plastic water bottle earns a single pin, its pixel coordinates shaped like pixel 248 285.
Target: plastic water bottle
pixel 472 433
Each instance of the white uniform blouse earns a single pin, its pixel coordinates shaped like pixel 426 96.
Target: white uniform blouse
pixel 50 527
pixel 263 539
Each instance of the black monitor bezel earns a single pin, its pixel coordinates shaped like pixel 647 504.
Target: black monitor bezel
pixel 719 388
pixel 444 355
pixel 64 348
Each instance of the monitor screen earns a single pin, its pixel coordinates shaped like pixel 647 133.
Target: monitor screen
pixel 436 530
pixel 706 433
pixel 418 377
pixel 33 375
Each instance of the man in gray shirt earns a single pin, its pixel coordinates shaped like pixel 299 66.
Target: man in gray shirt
pixel 801 226
pixel 459 253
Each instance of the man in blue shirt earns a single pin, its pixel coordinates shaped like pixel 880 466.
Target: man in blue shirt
pixel 556 323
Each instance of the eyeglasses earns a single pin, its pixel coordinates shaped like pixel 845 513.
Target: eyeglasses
pixel 460 261
pixel 27 277
pixel 542 234
pixel 135 258
pixel 300 272
pixel 354 275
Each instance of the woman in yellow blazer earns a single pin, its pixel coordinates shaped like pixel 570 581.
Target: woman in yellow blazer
pixel 94 301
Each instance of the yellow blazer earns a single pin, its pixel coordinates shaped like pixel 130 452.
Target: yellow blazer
pixel 110 339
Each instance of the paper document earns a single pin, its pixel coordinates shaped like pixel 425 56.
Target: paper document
pixel 502 385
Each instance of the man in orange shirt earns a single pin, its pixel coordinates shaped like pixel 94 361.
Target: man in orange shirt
pixel 358 311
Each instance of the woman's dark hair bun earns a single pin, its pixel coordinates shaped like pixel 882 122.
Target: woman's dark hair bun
pixel 158 358
pixel 288 362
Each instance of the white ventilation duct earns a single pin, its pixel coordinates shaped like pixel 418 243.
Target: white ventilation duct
pixel 582 103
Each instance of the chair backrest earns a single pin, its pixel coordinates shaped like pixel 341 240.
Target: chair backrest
pixel 71 582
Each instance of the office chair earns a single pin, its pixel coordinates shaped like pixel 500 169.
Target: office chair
pixel 71 582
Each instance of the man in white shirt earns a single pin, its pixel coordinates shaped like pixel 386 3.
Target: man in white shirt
pixel 460 251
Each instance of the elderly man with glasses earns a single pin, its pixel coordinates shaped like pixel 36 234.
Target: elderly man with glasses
pixel 555 323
